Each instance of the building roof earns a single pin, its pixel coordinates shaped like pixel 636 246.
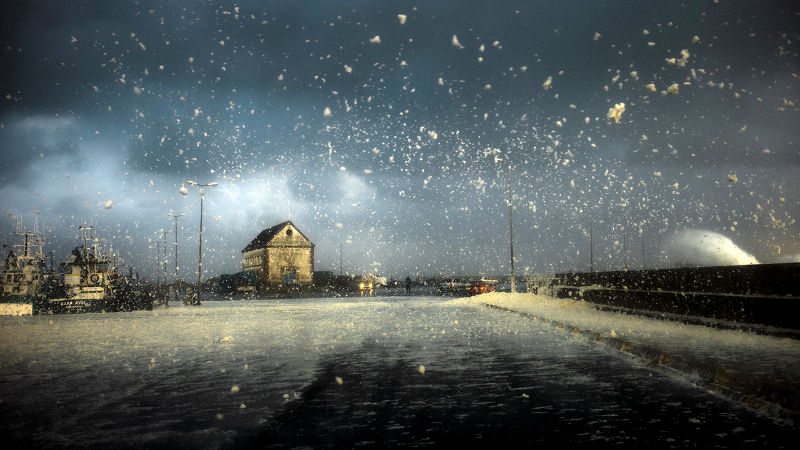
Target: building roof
pixel 265 236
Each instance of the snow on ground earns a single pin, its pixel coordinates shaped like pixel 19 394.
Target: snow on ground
pixel 669 334
pixel 208 374
pixel 743 361
pixel 194 370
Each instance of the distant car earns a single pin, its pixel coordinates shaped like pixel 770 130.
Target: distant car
pixel 455 286
pixel 481 287
pixel 370 282
pixel 464 287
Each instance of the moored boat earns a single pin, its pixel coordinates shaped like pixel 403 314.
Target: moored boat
pixel 91 283
pixel 24 277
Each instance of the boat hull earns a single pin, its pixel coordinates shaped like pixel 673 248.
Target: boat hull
pixel 16 309
pixel 128 300
pixel 22 305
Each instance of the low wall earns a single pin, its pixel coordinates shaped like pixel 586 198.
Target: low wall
pixel 766 294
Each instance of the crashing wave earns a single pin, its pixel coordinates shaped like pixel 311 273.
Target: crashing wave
pixel 705 248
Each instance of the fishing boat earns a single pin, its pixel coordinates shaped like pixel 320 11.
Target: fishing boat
pixel 24 276
pixel 91 283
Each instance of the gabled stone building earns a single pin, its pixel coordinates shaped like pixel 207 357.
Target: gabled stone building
pixel 280 255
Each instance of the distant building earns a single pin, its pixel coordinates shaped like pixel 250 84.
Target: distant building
pixel 280 255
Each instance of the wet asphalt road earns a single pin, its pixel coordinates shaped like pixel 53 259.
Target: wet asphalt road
pixel 481 377
pixel 346 373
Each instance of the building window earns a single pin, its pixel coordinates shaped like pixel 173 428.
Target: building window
pixel 289 275
pixel 289 232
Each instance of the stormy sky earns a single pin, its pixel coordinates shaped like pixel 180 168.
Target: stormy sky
pixel 387 129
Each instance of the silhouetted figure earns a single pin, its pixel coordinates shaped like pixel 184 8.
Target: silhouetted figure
pixel 189 297
pixel 408 285
pixel 76 255
pixel 11 261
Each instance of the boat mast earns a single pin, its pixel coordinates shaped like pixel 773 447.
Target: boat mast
pixel 84 230
pixel 30 238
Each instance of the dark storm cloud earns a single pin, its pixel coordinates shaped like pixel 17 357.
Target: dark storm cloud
pixel 29 140
pixel 124 102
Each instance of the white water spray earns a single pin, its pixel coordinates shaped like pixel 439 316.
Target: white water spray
pixel 705 248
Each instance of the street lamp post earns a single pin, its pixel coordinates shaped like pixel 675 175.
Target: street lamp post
pixel 158 264
pixel 511 228
pixel 642 251
pixel 176 216
pixel 165 260
pixel 624 251
pixel 591 248
pixel 202 187
pixel 162 266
